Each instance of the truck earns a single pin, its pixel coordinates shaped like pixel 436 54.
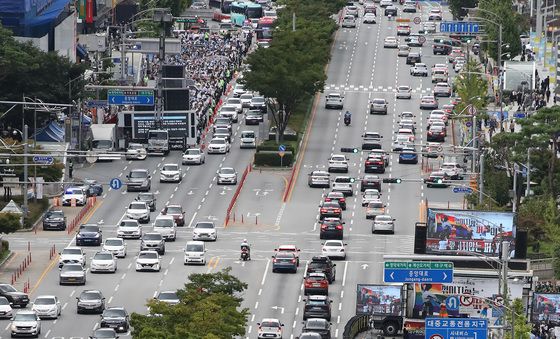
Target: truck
pixel 158 141
pixel 104 141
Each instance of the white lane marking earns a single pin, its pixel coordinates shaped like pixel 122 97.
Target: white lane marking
pixel 192 220
pixel 279 216
pixel 265 271
pixel 117 287
pixel 256 305
pixel 172 260
pixel 344 274
pixel 110 299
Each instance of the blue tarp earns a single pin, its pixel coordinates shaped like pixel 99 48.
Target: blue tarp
pixel 53 132
pixel 31 18
pixel 15 6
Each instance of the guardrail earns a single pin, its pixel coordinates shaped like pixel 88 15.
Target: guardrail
pixel 542 268
pixel 76 221
pixel 356 324
pixel 236 194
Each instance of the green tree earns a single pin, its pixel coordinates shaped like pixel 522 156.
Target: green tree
pixel 177 6
pixel 472 87
pixel 522 326
pixel 512 26
pixel 456 7
pixel 209 308
pixel 9 222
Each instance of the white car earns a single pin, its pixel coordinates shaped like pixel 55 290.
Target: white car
pixel 25 323
pixel 148 261
pixel 248 139
pixel 205 230
pixel 383 223
pixel 136 152
pixel 72 255
pixel 166 226
pixel 404 50
pixel 453 170
pixel 195 252
pixel 193 156
pixel 269 328
pixel 369 18
pixel 419 69
pixel 5 308
pixel 227 175
pixel 349 21
pixel 129 228
pixel 117 246
pixel 344 185
pixel 238 90
pixel 246 99
pixel 334 100
pixel 370 195
pixel 442 89
pixel 334 249
pixel 319 179
pixel 138 210
pixel 103 262
pixel 171 173
pixel 47 306
pixel 218 145
pixel 404 92
pixel 338 163
pixel 235 102
pixel 385 3
pixel 390 42
pixel 75 195
pixel 229 111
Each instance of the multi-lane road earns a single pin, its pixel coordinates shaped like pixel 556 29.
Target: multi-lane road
pixel 360 68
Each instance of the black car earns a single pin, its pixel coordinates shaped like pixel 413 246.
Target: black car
pixel 332 228
pixel 149 199
pixel 104 333
pixel 317 306
pixel 323 264
pixel 391 10
pixel 442 46
pixel 54 220
pixel 116 318
pixel 374 164
pixel 89 234
pixel 330 209
pixel 258 103
pixel 283 261
pixel 14 296
pixel 90 301
pixel 413 57
pixel 317 325
pixel 370 181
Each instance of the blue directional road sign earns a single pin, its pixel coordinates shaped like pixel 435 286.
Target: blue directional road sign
pixel 456 328
pixel 418 272
pixel 282 148
pixel 452 303
pixel 96 103
pixel 115 183
pixel 130 97
pixel 43 159
pixel 461 189
pixel 459 27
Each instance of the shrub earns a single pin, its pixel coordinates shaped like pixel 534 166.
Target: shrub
pixel 268 158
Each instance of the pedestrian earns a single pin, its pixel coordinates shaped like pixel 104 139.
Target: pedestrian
pixel 512 126
pixel 70 168
pixel 547 94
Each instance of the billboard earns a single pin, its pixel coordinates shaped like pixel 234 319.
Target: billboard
pixel 429 298
pixel 546 307
pixel 456 231
pixel 379 299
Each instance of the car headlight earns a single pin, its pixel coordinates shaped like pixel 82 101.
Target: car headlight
pixel 97 235
pixel 14 328
pixel 79 235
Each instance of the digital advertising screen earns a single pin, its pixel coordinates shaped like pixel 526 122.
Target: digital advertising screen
pixel 379 299
pixel 546 307
pixel 457 231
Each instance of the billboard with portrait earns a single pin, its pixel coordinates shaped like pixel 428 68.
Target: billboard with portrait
pixel 379 299
pixel 546 307
pixel 458 231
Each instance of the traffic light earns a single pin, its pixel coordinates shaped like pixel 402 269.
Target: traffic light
pixel 349 150
pixel 392 180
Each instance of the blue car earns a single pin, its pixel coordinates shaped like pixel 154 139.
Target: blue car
pixel 89 234
pixel 408 156
pixel 92 188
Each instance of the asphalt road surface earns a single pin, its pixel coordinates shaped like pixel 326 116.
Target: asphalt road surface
pixel 363 70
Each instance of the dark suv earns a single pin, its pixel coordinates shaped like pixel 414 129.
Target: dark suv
pixel 370 181
pixel 413 57
pixel 90 301
pixel 442 46
pixel 149 199
pixel 15 297
pixel 317 306
pixel 322 264
pixel 116 318
pixel 139 180
pixel 54 220
pixel 89 234
pixel 316 325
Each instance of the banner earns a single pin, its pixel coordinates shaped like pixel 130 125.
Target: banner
pixel 82 9
pixel 378 299
pixel 455 231
pixel 546 307
pixel 89 11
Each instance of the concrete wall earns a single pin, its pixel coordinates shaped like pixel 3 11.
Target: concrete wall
pixel 65 37
pixel 41 43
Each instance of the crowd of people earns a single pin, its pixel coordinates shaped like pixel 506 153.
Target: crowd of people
pixel 547 287
pixel 210 60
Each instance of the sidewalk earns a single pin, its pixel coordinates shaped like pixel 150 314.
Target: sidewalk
pixel 35 253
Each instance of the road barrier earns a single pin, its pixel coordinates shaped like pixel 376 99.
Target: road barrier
pixel 87 207
pixel 236 194
pixel 52 252
pixel 21 268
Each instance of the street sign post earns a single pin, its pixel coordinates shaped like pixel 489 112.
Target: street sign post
pixel 418 272
pixel 458 328
pixel 115 183
pixel 459 27
pixel 96 103
pixel 43 159
pixel 452 303
pixel 130 97
pixel 281 153
pixel 461 189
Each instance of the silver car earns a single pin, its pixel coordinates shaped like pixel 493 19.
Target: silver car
pixel 193 156
pixel 378 105
pixel 227 175
pixel 72 274
pixel 383 223
pixel 319 179
pixel 404 92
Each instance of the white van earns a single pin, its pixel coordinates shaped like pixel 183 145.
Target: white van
pixel 248 139
pixel 195 253
pixel 166 226
pixel 349 21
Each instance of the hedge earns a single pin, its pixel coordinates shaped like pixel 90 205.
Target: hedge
pixel 268 158
pixel 272 146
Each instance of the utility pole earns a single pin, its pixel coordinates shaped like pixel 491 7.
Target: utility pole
pixel 500 77
pixel 481 179
pixel 475 144
pixel 514 204
pixel 123 54
pixel 528 189
pixel 293 21
pixel 25 175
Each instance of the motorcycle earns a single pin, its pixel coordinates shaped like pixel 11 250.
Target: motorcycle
pixel 245 255
pixel 347 120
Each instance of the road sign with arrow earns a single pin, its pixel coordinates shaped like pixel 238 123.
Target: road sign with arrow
pixel 418 272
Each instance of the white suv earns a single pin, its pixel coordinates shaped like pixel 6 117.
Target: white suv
pixel 453 170
pixel 74 194
pixel 338 163
pixel 72 255
pixel 334 100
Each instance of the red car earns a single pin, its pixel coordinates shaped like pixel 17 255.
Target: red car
pixel 176 211
pixel 316 283
pixel 337 196
pixel 330 209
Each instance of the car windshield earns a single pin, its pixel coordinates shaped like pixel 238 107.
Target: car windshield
pixel 204 225
pixel 108 333
pixel 168 296
pixel 113 242
pixel 137 206
pixel 270 324
pixel 258 100
pixel 192 152
pixel 222 131
pixel 71 251
pixel 71 268
pixel 248 134
pixel 25 317
pixel 145 197
pixel 227 109
pixel 73 191
pixel 103 256
pixel 375 205
pixel 113 313
pixel 129 223
pixel 135 146
pixel 90 296
pixel 86 228
pixel 147 255
pixel 379 101
pixel 403 88
pixel 170 168
pixel 138 174
pixel 44 301
pixel 194 248
pixel 227 171
pixel 383 218
pixel 218 141
pixel 246 96
pixel 174 210
pixel 4 301
pixel 56 214
pixel 222 121
pixel 234 101
pixel 152 236
pixel 333 244
pixel 164 222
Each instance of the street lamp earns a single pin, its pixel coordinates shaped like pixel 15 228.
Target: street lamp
pixel 24 140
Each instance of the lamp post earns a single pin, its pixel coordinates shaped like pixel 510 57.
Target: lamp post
pixel 24 140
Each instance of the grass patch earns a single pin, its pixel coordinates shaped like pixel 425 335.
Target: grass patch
pixel 300 118
pixel 36 209
pixel 546 250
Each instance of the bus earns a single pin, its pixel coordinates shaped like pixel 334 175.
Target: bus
pixel 244 11
pixel 265 27
pixel 222 5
